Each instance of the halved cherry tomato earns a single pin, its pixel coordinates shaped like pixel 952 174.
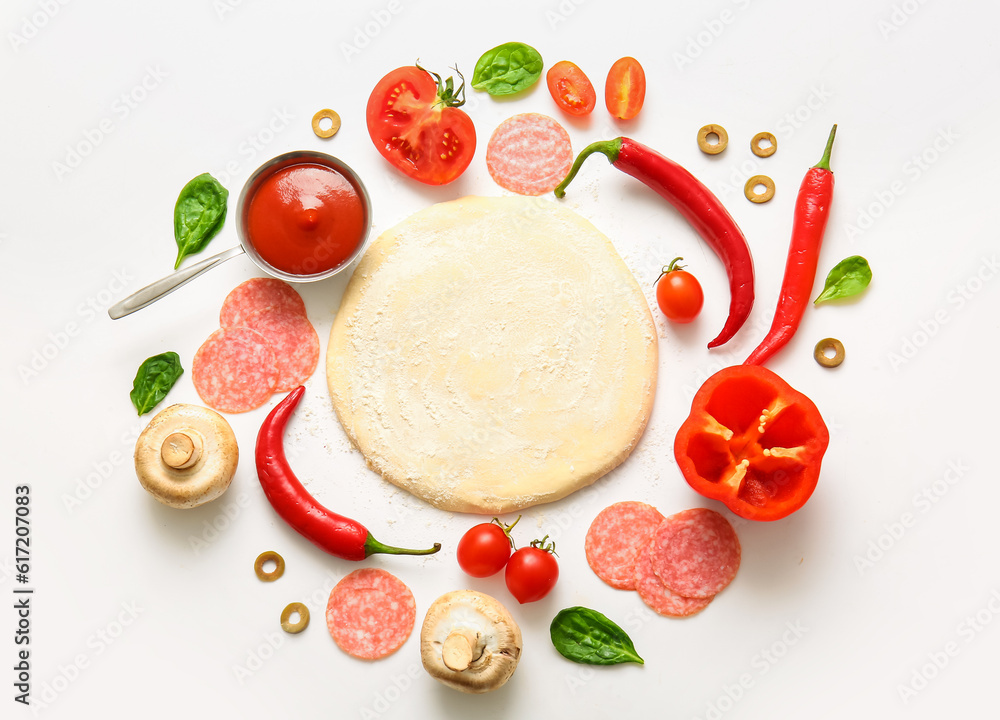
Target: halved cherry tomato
pixel 532 571
pixel 678 293
pixel 753 442
pixel 571 88
pixel 415 122
pixel 485 548
pixel 625 89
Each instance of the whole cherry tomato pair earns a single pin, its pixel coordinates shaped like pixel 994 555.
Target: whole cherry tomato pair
pixel 624 91
pixel 531 571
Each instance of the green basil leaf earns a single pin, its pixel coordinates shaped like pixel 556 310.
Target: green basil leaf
pixel 849 277
pixel 586 636
pixel 198 215
pixel 507 69
pixel 154 379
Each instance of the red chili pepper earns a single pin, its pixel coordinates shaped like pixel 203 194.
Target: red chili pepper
pixel 752 442
pixel 336 534
pixel 812 209
pixel 698 206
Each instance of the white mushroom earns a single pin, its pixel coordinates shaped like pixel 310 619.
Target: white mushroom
pixel 469 642
pixel 186 456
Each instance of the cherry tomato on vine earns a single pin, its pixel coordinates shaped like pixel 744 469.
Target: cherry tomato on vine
pixel 625 89
pixel 571 88
pixel 532 571
pixel 678 293
pixel 485 548
pixel 415 122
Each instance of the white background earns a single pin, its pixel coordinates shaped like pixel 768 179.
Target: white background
pixel 841 609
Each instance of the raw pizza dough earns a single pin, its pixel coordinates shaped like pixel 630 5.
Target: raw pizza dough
pixel 493 353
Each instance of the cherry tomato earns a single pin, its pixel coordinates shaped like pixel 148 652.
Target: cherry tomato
pixel 532 571
pixel 625 89
pixel 678 293
pixel 485 548
pixel 415 122
pixel 571 88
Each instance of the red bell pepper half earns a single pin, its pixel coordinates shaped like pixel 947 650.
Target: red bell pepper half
pixel 752 442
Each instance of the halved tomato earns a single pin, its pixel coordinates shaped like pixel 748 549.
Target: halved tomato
pixel 571 88
pixel 415 122
pixel 625 89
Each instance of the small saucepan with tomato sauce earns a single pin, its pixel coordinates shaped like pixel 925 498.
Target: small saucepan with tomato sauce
pixel 302 216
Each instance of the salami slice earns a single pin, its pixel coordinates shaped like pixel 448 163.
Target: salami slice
pixel 657 595
pixel 370 614
pixel 258 294
pixel 615 539
pixel 294 341
pixel 529 154
pixel 695 553
pixel 234 370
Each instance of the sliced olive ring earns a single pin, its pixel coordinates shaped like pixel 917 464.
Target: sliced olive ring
pixel 279 566
pixel 753 195
pixel 301 624
pixel 829 344
pixel 759 151
pixel 326 114
pixel 706 146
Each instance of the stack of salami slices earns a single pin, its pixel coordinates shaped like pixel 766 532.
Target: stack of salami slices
pixel 677 564
pixel 266 345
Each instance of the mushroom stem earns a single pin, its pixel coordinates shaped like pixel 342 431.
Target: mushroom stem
pixel 181 450
pixel 459 649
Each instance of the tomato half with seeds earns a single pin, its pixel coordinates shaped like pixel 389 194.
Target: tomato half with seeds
pixel 625 89
pixel 414 119
pixel 753 442
pixel 571 88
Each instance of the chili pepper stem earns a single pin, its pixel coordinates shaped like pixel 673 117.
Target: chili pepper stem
pixel 374 547
pixel 611 148
pixel 824 163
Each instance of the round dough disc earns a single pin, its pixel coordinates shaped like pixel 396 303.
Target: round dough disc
pixel 493 353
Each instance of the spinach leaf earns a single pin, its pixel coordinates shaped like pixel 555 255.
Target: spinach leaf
pixel 198 215
pixel 507 69
pixel 154 379
pixel 849 277
pixel 586 636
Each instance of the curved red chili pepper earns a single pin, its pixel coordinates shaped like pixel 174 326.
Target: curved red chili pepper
pixel 699 207
pixel 336 534
pixel 812 209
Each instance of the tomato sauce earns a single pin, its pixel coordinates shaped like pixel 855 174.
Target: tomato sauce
pixel 306 219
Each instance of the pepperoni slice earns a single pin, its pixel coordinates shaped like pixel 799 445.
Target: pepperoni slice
pixel 695 553
pixel 529 154
pixel 294 341
pixel 258 294
pixel 615 539
pixel 234 370
pixel 371 613
pixel 658 596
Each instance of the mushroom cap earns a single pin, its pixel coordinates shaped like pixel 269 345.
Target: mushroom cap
pixel 186 456
pixel 469 642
